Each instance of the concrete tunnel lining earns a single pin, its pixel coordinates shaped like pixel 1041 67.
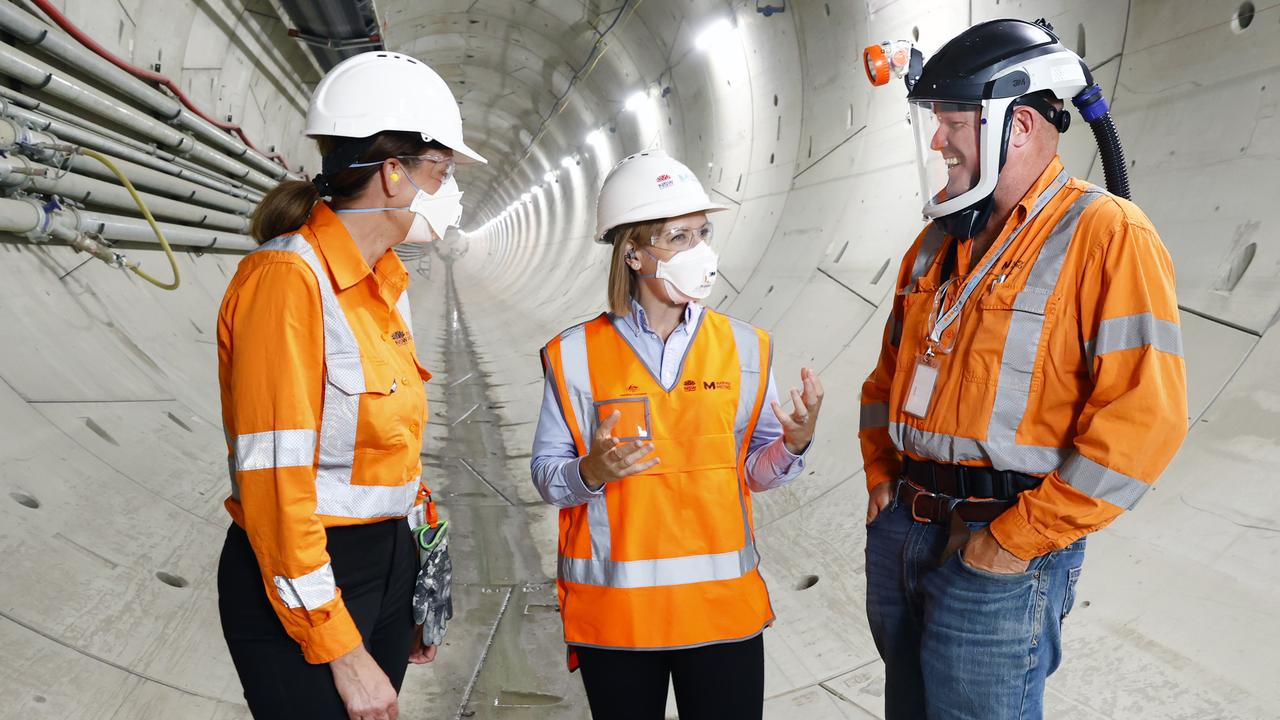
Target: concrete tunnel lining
pixel 111 412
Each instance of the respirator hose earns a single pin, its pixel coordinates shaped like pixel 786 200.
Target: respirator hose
pixel 1095 111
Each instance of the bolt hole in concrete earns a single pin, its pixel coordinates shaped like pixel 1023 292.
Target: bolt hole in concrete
pixel 100 431
pixel 807 582
pixel 520 698
pixel 25 500
pixel 1243 17
pixel 170 579
pixel 178 421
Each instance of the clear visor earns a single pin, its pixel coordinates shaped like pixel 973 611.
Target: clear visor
pixel 948 149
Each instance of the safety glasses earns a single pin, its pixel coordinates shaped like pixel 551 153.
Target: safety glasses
pixel 435 158
pixel 680 238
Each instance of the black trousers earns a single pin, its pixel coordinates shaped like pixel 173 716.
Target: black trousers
pixel 375 566
pixel 714 682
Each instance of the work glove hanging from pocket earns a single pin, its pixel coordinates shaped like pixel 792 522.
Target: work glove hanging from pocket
pixel 433 594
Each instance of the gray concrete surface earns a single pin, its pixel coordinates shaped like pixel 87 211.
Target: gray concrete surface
pixel 113 472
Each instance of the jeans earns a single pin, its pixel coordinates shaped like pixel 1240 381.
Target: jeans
pixel 961 643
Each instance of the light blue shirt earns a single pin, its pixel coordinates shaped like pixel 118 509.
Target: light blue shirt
pixel 555 457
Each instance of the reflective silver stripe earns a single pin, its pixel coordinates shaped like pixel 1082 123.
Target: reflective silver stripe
pixel 1135 331
pixel 873 415
pixel 600 568
pixel 417 516
pixel 1103 483
pixel 1022 344
pixel 309 591
pixel 930 245
pixel 577 380
pixel 340 416
pixel 275 449
pixel 658 573
pixel 344 499
pixel 751 374
pixel 406 313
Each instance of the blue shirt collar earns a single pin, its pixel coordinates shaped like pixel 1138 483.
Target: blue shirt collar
pixel 638 321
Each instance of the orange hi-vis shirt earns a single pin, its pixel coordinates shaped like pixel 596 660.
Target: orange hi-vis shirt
pixel 665 558
pixel 323 405
pixel 1067 363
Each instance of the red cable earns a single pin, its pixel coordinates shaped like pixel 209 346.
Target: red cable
pixel 75 32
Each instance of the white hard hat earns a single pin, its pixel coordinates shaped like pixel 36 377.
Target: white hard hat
pixel 376 91
pixel 649 185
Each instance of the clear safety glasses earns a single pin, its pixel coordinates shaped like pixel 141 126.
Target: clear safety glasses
pixel 682 238
pixel 436 158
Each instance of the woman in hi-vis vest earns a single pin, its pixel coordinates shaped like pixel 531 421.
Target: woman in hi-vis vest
pixel 659 419
pixel 323 401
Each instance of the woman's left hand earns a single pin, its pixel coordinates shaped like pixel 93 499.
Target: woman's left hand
pixel 421 654
pixel 798 426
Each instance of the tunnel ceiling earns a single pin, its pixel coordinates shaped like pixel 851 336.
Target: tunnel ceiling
pixel 512 65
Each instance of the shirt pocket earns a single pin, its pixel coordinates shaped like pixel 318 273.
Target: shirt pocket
pixel 1006 343
pixel 916 308
pixel 366 402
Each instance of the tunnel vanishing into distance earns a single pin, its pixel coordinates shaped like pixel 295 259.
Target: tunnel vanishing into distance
pixel 113 464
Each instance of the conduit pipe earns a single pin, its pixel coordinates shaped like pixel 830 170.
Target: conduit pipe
pixel 39 146
pixel 36 220
pixel 191 171
pixel 87 138
pixel 37 34
pixel 19 173
pixel 26 69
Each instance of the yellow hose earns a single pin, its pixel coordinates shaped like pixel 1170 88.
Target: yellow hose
pixel 168 251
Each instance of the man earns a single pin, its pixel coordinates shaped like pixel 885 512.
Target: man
pixel 1030 385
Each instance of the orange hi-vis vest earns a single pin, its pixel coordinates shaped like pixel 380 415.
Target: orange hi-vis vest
pixel 665 558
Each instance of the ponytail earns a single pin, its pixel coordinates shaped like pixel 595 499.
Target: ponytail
pixel 283 210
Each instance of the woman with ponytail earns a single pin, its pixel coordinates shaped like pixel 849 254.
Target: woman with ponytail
pixel 323 401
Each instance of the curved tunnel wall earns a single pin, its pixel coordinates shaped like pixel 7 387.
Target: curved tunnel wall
pixel 110 405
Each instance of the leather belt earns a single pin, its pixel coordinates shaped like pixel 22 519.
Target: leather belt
pixel 962 481
pixel 934 491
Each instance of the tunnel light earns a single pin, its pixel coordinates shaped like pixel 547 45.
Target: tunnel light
pixel 636 101
pixel 595 137
pixel 549 176
pixel 566 161
pixel 526 196
pixel 715 36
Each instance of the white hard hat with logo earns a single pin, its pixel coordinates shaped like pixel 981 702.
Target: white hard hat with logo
pixel 649 185
pixel 377 91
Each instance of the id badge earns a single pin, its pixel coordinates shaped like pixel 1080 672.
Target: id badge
pixel 920 392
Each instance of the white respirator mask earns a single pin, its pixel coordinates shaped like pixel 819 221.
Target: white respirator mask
pixel 690 273
pixel 434 213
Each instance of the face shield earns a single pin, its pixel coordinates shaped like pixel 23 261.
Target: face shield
pixel 949 142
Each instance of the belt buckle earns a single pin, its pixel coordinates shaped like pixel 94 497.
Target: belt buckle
pixel 920 492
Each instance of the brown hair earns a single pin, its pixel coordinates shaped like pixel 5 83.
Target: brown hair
pixel 288 205
pixel 622 279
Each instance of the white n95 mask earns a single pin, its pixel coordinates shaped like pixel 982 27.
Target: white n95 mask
pixel 434 214
pixel 691 273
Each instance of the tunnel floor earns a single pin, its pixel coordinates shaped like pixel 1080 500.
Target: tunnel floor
pixel 504 656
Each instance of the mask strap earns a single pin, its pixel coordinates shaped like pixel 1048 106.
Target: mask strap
pixel 407 176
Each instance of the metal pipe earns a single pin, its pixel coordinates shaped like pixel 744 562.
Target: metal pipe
pixel 35 220
pixel 26 69
pixel 19 173
pixel 24 141
pixel 36 33
pixel 87 138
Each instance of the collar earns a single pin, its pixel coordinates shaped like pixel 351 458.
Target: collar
pixel 1024 205
pixel 638 320
pixel 341 253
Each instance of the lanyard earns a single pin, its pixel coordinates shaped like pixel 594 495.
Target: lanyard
pixel 940 325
